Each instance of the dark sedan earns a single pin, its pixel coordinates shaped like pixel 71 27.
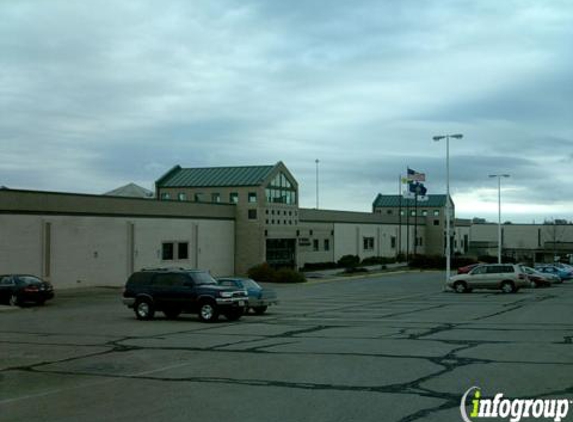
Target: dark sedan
pixel 260 298
pixel 18 289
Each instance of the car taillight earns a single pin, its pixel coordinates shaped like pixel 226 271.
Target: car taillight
pixel 31 289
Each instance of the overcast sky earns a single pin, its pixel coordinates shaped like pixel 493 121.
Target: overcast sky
pixel 97 94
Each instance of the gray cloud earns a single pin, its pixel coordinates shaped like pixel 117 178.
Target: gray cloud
pixel 96 94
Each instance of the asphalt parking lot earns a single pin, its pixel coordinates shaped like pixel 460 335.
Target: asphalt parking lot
pixel 388 348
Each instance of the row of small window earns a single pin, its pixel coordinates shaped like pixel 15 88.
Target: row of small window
pixel 423 213
pixel 284 222
pixel 215 197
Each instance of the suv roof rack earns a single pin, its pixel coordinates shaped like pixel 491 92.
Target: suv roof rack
pixel 165 269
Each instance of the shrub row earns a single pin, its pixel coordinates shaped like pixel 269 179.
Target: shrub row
pixel 264 272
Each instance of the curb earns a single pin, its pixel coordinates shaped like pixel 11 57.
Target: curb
pixel 355 277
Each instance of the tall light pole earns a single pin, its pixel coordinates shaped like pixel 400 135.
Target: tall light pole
pixel 316 161
pixel 499 176
pixel 448 211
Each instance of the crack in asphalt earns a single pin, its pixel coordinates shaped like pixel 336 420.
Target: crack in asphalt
pixel 446 363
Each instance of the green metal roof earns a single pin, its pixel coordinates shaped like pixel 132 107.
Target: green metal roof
pixel 215 176
pixel 434 201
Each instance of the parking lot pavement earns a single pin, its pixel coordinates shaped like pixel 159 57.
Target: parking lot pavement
pixel 388 348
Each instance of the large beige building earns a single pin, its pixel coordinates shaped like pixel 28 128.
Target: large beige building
pixel 227 219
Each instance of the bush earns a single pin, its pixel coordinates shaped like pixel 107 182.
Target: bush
pixel 376 260
pixel 312 266
pixel 262 272
pixel 287 275
pixel 349 261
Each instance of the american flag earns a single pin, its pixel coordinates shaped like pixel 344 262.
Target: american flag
pixel 414 176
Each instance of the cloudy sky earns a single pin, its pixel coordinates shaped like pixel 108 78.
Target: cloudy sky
pixel 96 94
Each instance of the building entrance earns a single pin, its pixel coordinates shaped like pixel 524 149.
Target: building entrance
pixel 281 253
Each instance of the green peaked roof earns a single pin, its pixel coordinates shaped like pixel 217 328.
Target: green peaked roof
pixel 399 200
pixel 215 176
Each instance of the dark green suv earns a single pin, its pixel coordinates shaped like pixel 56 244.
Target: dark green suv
pixel 178 290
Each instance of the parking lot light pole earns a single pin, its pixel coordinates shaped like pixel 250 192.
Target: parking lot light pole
pixel 499 176
pixel 448 212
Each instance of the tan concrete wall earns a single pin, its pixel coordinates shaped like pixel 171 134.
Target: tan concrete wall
pixel 95 251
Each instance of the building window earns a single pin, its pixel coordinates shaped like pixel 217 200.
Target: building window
pixel 252 197
pixel 182 196
pixel 310 232
pixel 424 213
pixel 234 197
pixel 168 250
pixel 402 213
pixel 389 212
pixel 393 242
pixel 368 243
pixel 252 214
pixel 216 197
pixel 436 222
pixel 267 221
pixel 183 250
pixel 199 197
pixel 436 213
pixel 165 195
pixel 326 244
pixel 413 213
pixel 315 245
pixel 281 191
pixel 419 241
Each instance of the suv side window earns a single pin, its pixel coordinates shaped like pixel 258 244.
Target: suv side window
pixel 6 281
pixel 508 269
pixel 169 280
pixel 495 269
pixel 479 270
pixel 140 278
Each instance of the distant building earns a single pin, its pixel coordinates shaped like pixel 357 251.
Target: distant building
pixel 131 190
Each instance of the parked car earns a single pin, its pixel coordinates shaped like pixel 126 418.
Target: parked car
pixel 467 268
pixel 260 298
pixel 539 279
pixel 178 290
pixel 18 289
pixel 506 277
pixel 552 269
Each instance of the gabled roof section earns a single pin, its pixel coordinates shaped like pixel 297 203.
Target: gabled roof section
pixel 215 176
pixel 434 201
pixel 131 190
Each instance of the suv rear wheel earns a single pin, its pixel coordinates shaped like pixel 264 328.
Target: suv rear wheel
pixel 508 287
pixel 144 309
pixel 208 311
pixel 460 287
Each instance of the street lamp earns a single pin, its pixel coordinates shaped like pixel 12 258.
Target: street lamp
pixel 448 212
pixel 316 161
pixel 499 176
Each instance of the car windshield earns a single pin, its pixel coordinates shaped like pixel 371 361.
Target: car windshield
pixel 250 284
pixel 203 278
pixel 30 280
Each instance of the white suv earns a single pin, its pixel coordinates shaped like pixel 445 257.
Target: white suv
pixel 509 278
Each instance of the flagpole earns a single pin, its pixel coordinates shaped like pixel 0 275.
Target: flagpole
pixel 399 250
pixel 407 222
pixel 416 222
